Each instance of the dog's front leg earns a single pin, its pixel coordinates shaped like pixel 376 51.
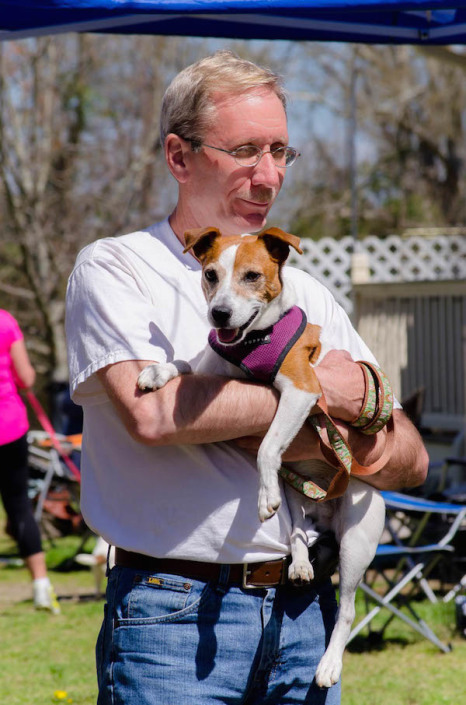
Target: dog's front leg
pixel 293 409
pixel 358 524
pixel 156 375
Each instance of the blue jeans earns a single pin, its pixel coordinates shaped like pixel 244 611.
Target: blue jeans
pixel 170 640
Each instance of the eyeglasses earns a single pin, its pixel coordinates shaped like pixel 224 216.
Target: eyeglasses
pixel 251 154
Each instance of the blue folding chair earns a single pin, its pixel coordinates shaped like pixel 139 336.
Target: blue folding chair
pixel 407 563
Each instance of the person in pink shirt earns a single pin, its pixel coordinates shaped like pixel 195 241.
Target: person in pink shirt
pixel 16 372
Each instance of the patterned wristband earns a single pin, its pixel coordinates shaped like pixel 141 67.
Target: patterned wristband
pixel 378 400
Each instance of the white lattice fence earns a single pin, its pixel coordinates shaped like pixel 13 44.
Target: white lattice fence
pixel 392 259
pixel 329 261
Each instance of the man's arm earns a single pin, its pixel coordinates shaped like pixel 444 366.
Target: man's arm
pixel 409 460
pixel 341 380
pixel 207 409
pixel 407 466
pixel 188 409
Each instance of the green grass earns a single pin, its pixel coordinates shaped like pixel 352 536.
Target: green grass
pixel 45 656
pixel 404 668
pixel 42 655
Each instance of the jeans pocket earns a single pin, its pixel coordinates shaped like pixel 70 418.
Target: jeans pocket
pixel 158 598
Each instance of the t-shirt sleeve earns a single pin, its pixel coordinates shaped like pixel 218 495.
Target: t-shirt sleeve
pixel 341 334
pixel 109 318
pixel 352 341
pixel 337 330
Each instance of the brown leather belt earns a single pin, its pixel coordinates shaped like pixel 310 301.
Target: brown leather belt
pixel 248 575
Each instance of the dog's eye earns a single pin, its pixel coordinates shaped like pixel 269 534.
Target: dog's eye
pixel 211 276
pixel 251 276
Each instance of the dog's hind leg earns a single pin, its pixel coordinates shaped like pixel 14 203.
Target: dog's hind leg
pixel 358 524
pixel 300 570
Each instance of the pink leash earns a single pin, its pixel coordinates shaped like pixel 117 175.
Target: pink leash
pixel 47 426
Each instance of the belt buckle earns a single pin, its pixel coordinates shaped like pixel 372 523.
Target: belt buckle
pixel 248 586
pixel 246 574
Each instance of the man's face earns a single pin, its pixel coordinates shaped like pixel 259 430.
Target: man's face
pixel 233 198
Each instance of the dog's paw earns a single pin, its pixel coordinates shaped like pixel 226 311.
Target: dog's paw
pixel 328 671
pixel 153 377
pixel 157 375
pixel 301 572
pixel 269 502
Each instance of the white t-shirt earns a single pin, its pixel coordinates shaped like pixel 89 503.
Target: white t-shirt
pixel 139 297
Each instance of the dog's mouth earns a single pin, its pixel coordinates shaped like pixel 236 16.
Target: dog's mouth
pixel 229 336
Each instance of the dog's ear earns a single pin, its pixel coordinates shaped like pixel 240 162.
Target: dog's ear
pixel 200 240
pixel 278 243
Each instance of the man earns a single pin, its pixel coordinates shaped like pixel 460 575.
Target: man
pixel 167 476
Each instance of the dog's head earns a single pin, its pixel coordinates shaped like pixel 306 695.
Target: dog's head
pixel 241 277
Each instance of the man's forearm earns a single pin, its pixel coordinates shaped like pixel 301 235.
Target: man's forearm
pixel 208 409
pixel 189 409
pixel 408 464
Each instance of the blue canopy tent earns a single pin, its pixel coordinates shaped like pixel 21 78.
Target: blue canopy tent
pixel 432 22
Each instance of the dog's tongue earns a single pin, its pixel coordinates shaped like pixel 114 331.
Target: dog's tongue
pixel 227 335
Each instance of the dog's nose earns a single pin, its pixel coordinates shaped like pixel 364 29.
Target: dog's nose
pixel 221 315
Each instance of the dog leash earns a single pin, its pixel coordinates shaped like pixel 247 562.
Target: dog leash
pixel 47 426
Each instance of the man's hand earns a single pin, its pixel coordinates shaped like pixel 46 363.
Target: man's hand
pixel 306 445
pixel 342 381
pixel 407 466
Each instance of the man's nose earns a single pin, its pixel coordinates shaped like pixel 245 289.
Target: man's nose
pixel 266 173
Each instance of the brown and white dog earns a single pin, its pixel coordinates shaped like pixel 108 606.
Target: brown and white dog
pixel 245 291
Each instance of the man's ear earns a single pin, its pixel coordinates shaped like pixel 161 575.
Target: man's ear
pixel 278 243
pixel 175 155
pixel 200 240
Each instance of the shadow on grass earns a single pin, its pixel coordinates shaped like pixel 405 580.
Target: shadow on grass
pixel 68 565
pixel 374 641
pixel 71 598
pixel 91 597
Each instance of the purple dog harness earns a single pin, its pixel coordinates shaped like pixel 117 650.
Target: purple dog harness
pixel 260 354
